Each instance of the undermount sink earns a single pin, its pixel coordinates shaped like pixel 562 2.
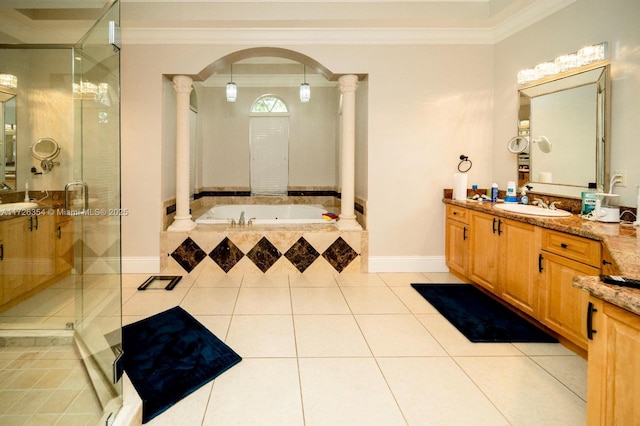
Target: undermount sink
pixel 527 209
pixel 17 207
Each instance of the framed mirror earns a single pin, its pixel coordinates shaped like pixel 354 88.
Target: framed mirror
pixel 8 141
pixel 564 121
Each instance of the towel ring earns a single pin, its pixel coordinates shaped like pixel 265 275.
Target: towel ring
pixel 462 168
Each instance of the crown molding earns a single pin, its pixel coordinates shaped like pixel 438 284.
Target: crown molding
pixel 297 36
pixel 537 11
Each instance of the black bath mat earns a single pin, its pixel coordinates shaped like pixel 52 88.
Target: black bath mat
pixel 170 355
pixel 478 316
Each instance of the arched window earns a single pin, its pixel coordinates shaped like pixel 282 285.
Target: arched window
pixel 268 103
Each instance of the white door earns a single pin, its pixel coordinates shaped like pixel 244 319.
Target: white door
pixel 269 146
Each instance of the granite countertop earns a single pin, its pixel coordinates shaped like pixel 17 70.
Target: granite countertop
pixel 621 241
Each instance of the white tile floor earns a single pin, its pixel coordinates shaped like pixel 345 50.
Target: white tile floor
pixel 358 349
pixel 45 385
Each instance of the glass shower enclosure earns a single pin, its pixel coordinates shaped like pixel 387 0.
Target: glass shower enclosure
pixel 60 300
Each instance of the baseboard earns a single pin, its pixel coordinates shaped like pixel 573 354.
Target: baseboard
pixel 407 264
pixel 141 265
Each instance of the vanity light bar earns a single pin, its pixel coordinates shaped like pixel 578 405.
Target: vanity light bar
pixel 585 56
pixel 8 80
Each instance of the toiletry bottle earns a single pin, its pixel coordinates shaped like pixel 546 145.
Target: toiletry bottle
pixel 524 198
pixel 589 199
pixel 511 196
pixel 494 192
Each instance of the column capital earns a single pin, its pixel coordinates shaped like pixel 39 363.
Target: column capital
pixel 182 83
pixel 348 83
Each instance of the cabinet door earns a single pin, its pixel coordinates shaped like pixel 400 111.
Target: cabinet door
pixel 563 306
pixel 63 235
pixel 520 244
pixel 483 268
pixel 15 259
pixel 609 266
pixel 457 246
pixel 41 248
pixel 1 263
pixel 614 367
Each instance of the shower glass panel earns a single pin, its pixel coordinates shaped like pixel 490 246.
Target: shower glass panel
pixel 93 197
pixel 60 275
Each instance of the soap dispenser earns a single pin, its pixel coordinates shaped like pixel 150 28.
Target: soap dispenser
pixel 524 199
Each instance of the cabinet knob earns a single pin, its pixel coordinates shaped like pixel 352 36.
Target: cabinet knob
pixel 564 245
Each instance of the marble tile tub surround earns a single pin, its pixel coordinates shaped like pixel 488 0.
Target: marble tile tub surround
pixel 621 241
pixel 312 248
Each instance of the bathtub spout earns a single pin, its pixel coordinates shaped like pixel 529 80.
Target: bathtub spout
pixel 241 220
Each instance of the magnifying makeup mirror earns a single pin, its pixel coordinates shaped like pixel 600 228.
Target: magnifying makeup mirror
pixel 520 144
pixel 46 150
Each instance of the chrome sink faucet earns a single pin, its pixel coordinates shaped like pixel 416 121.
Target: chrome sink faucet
pixel 538 202
pixel 241 220
pixel 553 205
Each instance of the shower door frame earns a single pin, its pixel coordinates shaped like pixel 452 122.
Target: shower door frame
pixel 92 198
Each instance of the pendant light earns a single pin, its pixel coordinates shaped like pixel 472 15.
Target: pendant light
pixel 305 89
pixel 232 89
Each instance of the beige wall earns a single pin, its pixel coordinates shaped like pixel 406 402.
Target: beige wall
pixel 44 105
pixel 427 104
pixel 224 136
pixel 580 24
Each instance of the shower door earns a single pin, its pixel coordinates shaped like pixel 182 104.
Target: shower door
pixel 93 201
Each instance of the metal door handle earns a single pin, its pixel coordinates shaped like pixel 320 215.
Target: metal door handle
pixel 590 311
pixel 540 258
pixel 85 193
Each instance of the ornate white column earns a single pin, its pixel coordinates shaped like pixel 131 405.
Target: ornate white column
pixel 348 86
pixel 182 220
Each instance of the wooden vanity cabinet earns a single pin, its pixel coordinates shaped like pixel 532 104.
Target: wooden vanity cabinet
pixel 15 257
pixel 563 307
pixel 485 253
pixel 28 256
pixel 457 240
pixel 503 259
pixel 613 388
pixel 63 237
pixel 40 247
pixel 1 264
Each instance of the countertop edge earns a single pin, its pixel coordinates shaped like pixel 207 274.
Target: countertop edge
pixel 623 297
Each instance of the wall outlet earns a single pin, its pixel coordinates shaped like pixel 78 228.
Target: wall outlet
pixel 621 180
